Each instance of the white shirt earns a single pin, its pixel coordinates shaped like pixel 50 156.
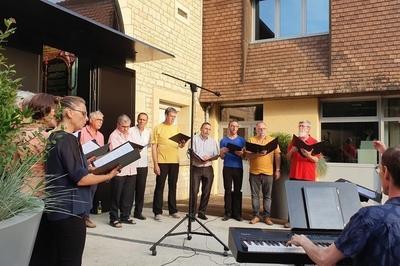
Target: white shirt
pixel 116 139
pixel 141 138
pixel 204 147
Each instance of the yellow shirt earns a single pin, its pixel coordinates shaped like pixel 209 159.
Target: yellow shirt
pixel 167 150
pixel 263 164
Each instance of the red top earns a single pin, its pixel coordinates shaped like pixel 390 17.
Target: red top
pixel 301 167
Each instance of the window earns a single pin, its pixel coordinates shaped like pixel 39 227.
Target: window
pixel 242 113
pixel 350 126
pixel 290 18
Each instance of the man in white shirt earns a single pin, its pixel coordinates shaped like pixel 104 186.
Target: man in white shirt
pixel 141 136
pixel 205 150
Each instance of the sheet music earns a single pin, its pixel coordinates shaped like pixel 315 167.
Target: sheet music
pixel 89 147
pixel 114 154
pixel 323 208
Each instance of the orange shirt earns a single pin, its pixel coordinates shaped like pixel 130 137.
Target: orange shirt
pixel 263 164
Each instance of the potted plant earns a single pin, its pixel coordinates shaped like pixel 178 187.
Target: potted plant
pixel 20 211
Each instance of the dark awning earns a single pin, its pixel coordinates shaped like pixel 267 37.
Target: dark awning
pixel 40 22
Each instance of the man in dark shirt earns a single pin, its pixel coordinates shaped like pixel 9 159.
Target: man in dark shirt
pixel 372 236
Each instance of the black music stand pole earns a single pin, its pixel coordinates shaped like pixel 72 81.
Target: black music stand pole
pixel 191 216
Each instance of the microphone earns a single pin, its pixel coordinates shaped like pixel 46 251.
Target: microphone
pixel 217 93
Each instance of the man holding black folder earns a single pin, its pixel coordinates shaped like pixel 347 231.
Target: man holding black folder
pixel 262 173
pixel 88 133
pixel 123 185
pixel 372 236
pixel 141 136
pixel 166 163
pixel 231 151
pixel 302 162
pixel 205 150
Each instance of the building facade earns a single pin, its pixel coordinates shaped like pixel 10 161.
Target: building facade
pixel 335 63
pixel 174 26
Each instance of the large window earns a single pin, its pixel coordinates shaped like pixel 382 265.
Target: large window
pixel 290 18
pixel 349 127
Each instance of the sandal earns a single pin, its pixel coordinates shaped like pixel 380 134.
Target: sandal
pixel 115 224
pixel 128 221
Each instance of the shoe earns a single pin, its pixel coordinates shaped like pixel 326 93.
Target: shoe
pixel 239 219
pixel 89 223
pixel 268 221
pixel 287 225
pixel 128 221
pixel 139 216
pixel 157 217
pixel 115 224
pixel 175 215
pixel 254 220
pixel 202 216
pixel 225 218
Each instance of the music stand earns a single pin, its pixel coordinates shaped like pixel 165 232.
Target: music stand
pixel 191 217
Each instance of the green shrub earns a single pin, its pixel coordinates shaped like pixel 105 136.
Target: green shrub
pixel 12 172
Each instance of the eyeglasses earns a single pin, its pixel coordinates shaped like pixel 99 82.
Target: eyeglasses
pixel 84 113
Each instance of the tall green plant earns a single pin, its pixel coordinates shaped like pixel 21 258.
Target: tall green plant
pixel 12 172
pixel 10 116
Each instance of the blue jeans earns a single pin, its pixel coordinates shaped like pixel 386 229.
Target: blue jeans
pixel 263 182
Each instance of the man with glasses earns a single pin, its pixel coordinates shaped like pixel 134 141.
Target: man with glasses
pixel 122 185
pixel 302 163
pixel 372 236
pixel 262 174
pixel 88 133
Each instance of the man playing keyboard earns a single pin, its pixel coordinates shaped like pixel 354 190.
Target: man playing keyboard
pixel 372 236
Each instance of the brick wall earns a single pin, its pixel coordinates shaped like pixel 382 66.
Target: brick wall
pixel 360 55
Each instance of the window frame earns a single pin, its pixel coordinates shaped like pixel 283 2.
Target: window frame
pixel 278 24
pixel 379 118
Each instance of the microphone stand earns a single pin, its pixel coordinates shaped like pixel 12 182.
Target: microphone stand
pixel 191 216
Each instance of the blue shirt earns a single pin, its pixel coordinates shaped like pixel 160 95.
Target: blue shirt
pixel 372 236
pixel 231 159
pixel 65 167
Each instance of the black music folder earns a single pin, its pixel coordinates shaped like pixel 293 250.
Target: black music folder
pixel 178 138
pixel 195 155
pixel 232 147
pixel 316 148
pixel 137 146
pixel 321 205
pixel 267 148
pixel 120 156
pixel 365 193
pixel 91 148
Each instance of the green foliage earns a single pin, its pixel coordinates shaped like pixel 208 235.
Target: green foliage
pixel 13 172
pixel 10 116
pixel 284 141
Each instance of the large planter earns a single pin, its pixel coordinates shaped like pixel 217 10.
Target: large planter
pixel 17 237
pixel 279 208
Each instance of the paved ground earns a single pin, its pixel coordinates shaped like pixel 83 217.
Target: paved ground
pixel 130 245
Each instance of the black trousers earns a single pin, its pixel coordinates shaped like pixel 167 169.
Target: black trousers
pixel 65 241
pixel 171 170
pixel 139 189
pixel 205 176
pixel 122 194
pixel 232 198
